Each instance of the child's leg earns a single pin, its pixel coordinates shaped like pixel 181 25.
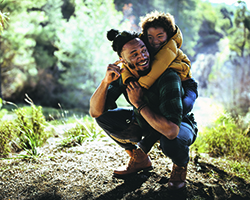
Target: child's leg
pixel 188 101
pixel 191 94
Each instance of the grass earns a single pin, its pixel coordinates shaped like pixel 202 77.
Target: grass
pixel 85 130
pixel 228 140
pixel 26 129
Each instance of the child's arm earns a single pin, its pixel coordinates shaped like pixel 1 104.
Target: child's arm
pixel 161 62
pixel 182 65
pixel 169 56
pixel 127 75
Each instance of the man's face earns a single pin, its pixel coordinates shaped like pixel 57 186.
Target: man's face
pixel 136 55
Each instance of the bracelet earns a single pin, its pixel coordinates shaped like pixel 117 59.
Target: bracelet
pixel 143 105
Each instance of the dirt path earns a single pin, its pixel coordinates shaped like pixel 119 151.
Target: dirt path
pixel 85 172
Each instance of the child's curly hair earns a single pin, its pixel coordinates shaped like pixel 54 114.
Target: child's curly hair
pixel 157 19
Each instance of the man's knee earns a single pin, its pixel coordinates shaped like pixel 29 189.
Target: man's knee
pixel 171 147
pixel 101 120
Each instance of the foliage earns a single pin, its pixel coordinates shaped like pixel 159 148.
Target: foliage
pixel 85 130
pixel 3 20
pixel 228 140
pixel 3 112
pixel 240 33
pixel 225 27
pixel 56 50
pixel 30 125
pixel 18 44
pixel 83 50
pixel 26 131
pixel 7 132
pixel 184 11
pixel 212 22
pixel 224 138
pixel 53 49
pixel 186 14
pixel 239 44
pixel 240 167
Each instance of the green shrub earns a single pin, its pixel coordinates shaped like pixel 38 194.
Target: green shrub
pixel 224 138
pixel 31 128
pixel 86 130
pixel 7 130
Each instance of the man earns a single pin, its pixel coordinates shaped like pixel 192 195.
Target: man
pixel 156 111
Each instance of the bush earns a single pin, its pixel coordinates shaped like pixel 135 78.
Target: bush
pixel 7 131
pixel 87 130
pixel 224 138
pixel 31 128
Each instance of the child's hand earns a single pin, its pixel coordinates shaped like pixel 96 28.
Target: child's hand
pixel 135 93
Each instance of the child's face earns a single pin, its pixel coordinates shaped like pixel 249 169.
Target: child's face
pixel 156 37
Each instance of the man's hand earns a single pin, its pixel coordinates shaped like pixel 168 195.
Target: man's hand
pixel 135 93
pixel 113 72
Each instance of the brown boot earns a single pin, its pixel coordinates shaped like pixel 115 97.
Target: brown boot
pixel 178 178
pixel 138 161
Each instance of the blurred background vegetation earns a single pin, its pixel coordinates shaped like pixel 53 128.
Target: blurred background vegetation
pixel 54 53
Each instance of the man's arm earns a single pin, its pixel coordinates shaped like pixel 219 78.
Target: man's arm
pixel 165 113
pixel 98 99
pixel 160 123
pixel 157 121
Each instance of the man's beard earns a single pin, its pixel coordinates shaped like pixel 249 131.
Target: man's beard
pixel 140 73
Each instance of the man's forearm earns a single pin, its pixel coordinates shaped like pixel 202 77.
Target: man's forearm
pixel 98 99
pixel 160 123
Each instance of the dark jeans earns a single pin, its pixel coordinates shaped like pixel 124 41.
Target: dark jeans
pixel 120 125
pixel 190 95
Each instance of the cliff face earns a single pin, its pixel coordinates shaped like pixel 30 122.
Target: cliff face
pixel 221 73
pixel 207 52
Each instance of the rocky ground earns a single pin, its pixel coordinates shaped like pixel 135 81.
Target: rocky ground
pixel 85 172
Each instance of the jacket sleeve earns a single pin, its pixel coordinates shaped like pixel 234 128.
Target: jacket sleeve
pixel 128 76
pixel 169 56
pixel 161 62
pixel 182 65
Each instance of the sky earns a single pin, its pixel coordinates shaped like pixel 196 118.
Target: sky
pixel 230 2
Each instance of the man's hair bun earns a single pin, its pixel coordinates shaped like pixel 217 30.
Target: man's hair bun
pixel 112 34
pixel 119 39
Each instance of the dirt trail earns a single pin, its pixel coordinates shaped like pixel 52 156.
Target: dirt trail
pixel 85 172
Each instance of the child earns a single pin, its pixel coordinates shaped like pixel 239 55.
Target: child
pixel 164 40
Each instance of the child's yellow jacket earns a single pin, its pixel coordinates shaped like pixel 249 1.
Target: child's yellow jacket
pixel 169 55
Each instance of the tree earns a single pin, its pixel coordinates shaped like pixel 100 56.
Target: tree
pixel 229 78
pixel 184 11
pixel 240 33
pixel 54 49
pixel 239 42
pixel 185 14
pixel 83 49
pixel 3 22
pixel 18 44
